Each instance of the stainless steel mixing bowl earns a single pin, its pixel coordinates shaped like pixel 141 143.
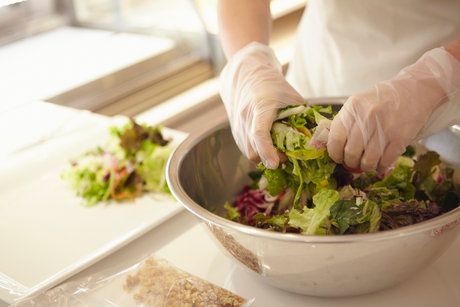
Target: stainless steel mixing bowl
pixel 208 169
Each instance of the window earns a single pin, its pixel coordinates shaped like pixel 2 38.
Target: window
pixel 109 56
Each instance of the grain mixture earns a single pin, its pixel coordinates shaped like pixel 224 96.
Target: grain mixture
pixel 157 283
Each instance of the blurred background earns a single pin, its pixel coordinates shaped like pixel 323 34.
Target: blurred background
pixel 121 56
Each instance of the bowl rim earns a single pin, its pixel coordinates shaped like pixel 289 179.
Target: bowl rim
pixel 444 221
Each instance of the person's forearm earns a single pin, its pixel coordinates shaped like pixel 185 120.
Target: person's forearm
pixel 242 22
pixel 454 49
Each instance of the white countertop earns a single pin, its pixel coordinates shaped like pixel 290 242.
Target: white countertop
pixel 45 227
pixel 184 242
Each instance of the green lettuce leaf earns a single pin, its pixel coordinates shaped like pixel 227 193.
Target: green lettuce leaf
pixel 309 117
pixel 86 176
pixel 315 114
pixel 276 222
pixel 345 213
pixel 318 116
pixel 232 212
pixel 373 211
pixel 400 178
pixel 424 168
pixel 290 111
pixel 297 121
pixel 308 153
pixel 355 216
pixel 151 166
pixel 286 138
pixel 319 171
pixel 365 180
pixel 276 179
pixel 384 196
pixel 313 220
pixel 326 109
pixel 297 172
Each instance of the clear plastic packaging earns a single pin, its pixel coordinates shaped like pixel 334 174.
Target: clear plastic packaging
pixel 150 282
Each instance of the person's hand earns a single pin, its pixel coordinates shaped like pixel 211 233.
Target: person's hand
pixel 253 89
pixel 373 128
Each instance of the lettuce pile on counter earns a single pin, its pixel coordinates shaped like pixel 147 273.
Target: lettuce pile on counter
pixel 132 161
pixel 312 195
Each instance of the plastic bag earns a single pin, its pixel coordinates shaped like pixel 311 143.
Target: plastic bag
pixel 151 282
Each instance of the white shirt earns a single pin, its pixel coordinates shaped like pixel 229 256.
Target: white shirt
pixel 345 47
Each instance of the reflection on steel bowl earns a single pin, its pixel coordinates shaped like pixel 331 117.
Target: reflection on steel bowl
pixel 208 169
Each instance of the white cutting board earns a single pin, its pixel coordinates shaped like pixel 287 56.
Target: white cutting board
pixel 46 234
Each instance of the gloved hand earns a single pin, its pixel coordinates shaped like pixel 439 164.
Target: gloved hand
pixel 253 88
pixel 373 128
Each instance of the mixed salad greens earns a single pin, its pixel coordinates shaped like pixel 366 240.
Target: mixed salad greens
pixel 310 194
pixel 133 161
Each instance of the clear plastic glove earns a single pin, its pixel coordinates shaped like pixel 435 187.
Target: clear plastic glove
pixel 373 128
pixel 253 88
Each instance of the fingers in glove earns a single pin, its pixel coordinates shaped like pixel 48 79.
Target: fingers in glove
pixel 338 135
pixel 392 152
pixel 372 154
pixel 336 141
pixel 354 148
pixel 262 140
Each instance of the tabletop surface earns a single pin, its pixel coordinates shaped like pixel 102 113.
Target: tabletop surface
pixel 184 242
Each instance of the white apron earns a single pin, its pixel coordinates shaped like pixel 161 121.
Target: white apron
pixel 345 47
